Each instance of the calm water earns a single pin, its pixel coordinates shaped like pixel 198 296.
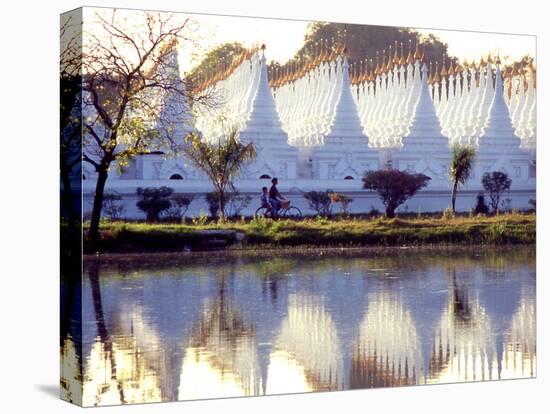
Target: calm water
pixel 225 325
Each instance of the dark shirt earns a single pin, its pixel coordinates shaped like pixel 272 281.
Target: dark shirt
pixel 273 192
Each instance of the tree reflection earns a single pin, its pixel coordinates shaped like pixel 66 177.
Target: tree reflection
pixel 102 330
pixel 464 349
pixel 221 357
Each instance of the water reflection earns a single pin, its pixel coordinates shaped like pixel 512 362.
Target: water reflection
pixel 388 347
pixel 307 355
pixel 220 357
pixel 239 325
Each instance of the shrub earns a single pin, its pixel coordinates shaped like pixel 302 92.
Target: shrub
pixel 180 205
pixel 200 220
pixel 320 202
pixel 481 206
pixel 343 200
pixel 496 233
pixel 236 203
pixel 373 211
pixel 394 187
pixel 448 213
pixel 112 207
pixel 496 183
pixel 154 201
pixel 321 220
pixel 260 224
pixel 533 204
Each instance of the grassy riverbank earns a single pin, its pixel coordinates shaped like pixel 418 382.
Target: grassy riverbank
pixel 141 237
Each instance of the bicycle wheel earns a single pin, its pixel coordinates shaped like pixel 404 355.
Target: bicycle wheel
pixel 261 212
pixel 292 212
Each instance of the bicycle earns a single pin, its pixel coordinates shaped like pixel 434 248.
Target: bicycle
pixel 286 212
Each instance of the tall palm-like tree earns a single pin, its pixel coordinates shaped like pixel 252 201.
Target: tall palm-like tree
pixel 221 163
pixel 462 161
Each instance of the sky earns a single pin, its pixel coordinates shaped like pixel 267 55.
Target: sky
pixel 473 45
pixel 284 37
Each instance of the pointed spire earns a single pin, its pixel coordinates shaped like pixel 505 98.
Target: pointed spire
pixel 353 70
pixel 425 130
pixel 346 126
pixel 436 73
pixel 410 59
pixel 263 124
pixel 402 57
pixel 395 60
pixel 385 67
pixel 317 58
pixel 451 69
pixel 417 55
pixel 499 131
pixel 443 68
pixel 370 74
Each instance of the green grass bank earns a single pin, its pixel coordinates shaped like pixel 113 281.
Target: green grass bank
pixel 505 229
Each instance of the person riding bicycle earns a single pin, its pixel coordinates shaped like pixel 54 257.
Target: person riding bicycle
pixel 275 198
pixel 265 201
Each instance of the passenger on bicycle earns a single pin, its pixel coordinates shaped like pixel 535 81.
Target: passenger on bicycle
pixel 275 198
pixel 265 201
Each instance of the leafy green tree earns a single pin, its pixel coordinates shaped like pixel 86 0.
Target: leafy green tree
pixel 394 187
pixel 153 201
pixel 221 163
pixel 364 41
pixel 462 160
pixel 496 183
pixel 216 59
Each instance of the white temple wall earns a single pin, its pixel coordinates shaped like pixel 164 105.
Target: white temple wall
pixel 427 201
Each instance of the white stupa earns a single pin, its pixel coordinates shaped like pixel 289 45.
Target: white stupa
pixel 424 149
pixel 345 153
pixel 274 156
pixel 499 146
pixel 173 124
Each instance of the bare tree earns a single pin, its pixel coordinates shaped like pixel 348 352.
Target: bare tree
pixel 128 77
